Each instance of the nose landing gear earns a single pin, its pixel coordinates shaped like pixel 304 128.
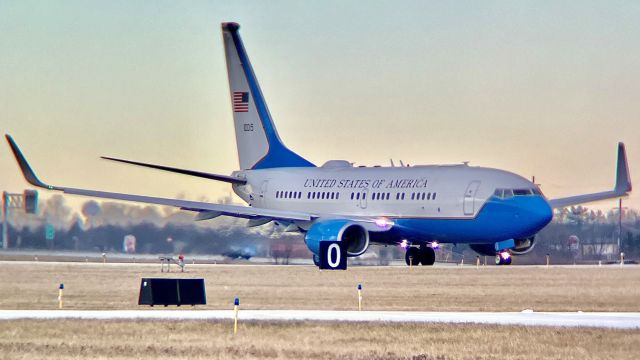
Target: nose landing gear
pixel 503 258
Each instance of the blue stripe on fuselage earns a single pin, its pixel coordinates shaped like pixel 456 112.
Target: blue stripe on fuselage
pixel 499 219
pixel 278 154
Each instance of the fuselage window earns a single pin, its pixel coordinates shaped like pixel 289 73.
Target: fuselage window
pixel 337 195
pixel 402 197
pixel 413 196
pixel 358 196
pixel 423 196
pixel 333 195
pixel 277 194
pixel 388 194
pixel 308 195
pixel 313 195
pixel 299 194
pixel 351 196
pixel 428 196
pixel 434 196
pixel 364 196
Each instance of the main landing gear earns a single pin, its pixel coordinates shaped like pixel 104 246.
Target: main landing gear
pixel 424 255
pixel 503 258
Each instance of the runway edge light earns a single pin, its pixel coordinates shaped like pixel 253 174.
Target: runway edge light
pixel 236 304
pixel 60 288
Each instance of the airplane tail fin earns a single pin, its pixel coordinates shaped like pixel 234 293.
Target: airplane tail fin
pixel 259 146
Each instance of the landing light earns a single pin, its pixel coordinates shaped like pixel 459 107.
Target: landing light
pixel 404 244
pixel 434 245
pixel 383 223
pixel 505 255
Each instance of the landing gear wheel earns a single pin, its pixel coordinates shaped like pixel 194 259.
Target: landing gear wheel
pixel 412 256
pixel 427 256
pixel 316 260
pixel 501 260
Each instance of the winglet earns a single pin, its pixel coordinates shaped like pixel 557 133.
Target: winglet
pixel 623 179
pixel 27 172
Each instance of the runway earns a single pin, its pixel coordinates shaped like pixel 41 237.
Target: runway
pixel 525 318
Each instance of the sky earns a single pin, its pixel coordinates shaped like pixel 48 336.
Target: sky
pixel 539 88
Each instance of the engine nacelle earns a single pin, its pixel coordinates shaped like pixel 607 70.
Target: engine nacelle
pixel 353 235
pixel 524 246
pixel 484 249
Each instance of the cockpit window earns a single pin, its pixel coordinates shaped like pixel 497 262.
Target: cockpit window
pixel 507 193
pixel 522 192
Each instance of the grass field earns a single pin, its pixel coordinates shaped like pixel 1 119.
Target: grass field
pixel 115 286
pixel 306 340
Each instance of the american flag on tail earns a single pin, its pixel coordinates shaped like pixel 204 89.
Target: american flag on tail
pixel 240 101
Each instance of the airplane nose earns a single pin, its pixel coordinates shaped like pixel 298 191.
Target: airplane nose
pixel 540 213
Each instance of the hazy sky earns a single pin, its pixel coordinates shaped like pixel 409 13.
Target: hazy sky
pixel 534 87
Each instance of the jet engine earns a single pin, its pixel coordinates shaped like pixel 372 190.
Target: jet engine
pixel 522 246
pixel 484 249
pixel 355 236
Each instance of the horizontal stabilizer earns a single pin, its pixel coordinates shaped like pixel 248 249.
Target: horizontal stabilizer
pixel 224 178
pixel 622 186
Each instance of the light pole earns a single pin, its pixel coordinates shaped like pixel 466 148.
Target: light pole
pixel 620 208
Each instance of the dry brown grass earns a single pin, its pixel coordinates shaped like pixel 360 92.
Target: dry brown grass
pixel 115 286
pixel 76 339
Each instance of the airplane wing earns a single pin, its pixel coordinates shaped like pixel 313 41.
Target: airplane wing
pixel 621 189
pixel 206 210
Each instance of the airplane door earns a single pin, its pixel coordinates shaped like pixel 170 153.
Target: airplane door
pixel 263 193
pixel 468 203
pixel 363 198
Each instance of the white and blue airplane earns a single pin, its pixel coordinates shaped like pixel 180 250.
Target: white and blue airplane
pixel 496 212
